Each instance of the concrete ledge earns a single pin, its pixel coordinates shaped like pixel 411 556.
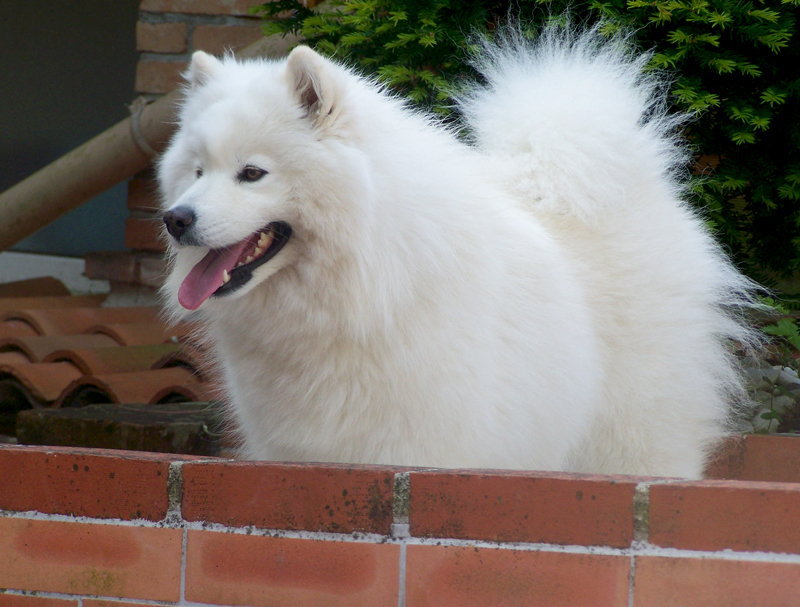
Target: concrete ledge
pixel 189 428
pixel 69 270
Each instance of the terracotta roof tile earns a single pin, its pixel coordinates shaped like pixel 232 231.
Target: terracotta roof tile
pixel 135 334
pixel 41 383
pixel 16 328
pixel 77 320
pixel 190 358
pixel 13 357
pixel 117 359
pixel 36 349
pixel 68 351
pixel 46 286
pixel 50 303
pixel 151 387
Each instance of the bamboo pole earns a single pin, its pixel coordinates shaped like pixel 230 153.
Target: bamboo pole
pixel 100 163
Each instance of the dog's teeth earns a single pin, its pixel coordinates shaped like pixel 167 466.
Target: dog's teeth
pixel 248 259
pixel 225 276
pixel 258 252
pixel 264 240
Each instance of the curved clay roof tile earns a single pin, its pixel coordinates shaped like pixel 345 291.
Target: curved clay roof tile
pixel 50 303
pixel 45 286
pixel 138 334
pixel 69 321
pixel 40 347
pixel 44 382
pixel 13 357
pixel 140 387
pixel 117 359
pixel 198 362
pixel 133 334
pixel 16 328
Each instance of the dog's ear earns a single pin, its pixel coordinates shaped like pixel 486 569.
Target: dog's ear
pixel 202 69
pixel 313 81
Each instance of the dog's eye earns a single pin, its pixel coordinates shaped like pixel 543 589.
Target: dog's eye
pixel 199 173
pixel 251 173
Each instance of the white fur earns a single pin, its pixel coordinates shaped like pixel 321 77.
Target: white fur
pixel 542 299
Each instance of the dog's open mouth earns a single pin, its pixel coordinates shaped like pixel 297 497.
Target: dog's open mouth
pixel 222 271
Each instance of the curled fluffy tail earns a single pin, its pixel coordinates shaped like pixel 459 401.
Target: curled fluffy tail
pixel 576 121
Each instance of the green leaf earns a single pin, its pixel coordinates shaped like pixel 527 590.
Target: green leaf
pixel 760 121
pixel 720 20
pixel 785 328
pixel 270 28
pixel 749 69
pixel 428 40
pixel 776 40
pixel 353 38
pixel 723 66
pixel 765 15
pixel 733 183
pixel 401 41
pixel 790 191
pixel 743 114
pixel 397 16
pixel 773 98
pixel 742 137
pixel 664 60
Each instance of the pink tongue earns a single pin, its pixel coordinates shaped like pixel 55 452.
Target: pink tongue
pixel 206 276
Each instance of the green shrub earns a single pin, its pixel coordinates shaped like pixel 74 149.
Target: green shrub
pixel 737 66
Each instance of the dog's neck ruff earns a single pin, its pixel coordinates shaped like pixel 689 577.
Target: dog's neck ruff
pixel 222 271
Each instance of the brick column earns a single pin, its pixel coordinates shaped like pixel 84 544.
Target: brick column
pixel 167 34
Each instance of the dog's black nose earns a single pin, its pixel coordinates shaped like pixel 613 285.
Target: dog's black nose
pixel 178 221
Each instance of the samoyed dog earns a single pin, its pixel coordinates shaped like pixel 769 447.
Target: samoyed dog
pixel 377 288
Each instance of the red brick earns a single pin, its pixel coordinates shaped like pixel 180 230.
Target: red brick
pixel 161 37
pixel 727 460
pixel 17 600
pixel 685 582
pixel 339 499
pixel 143 195
pixel 234 569
pixel 218 39
pixel 523 507
pixel 772 458
pixel 104 560
pixel 205 7
pixel 757 457
pixel 84 482
pixel 450 576
pixel 101 603
pixel 130 267
pixel 716 515
pixel 159 76
pixel 120 266
pixel 144 234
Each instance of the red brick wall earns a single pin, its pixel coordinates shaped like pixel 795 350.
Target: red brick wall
pixel 169 31
pixel 97 526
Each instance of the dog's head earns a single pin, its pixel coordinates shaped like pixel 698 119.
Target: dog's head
pixel 235 179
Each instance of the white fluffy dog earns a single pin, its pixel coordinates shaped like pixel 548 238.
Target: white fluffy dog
pixel 377 290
